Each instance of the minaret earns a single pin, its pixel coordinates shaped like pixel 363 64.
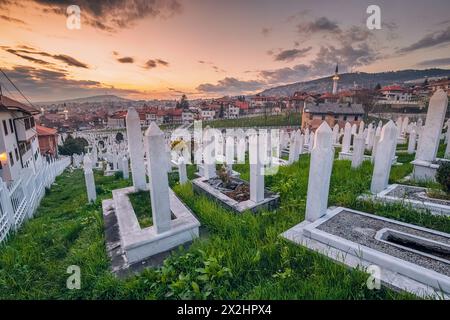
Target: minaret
pixel 335 80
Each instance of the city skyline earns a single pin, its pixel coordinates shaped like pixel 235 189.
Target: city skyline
pixel 162 49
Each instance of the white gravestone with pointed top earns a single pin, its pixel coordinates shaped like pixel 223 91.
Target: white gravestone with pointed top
pixel 320 168
pixel 209 154
pixel 412 141
pixel 136 149
pixel 383 158
pixel 159 185
pixel 430 135
pixel 358 150
pixel 89 179
pixel 256 169
pixel 182 170
pixel 346 140
pixel 125 170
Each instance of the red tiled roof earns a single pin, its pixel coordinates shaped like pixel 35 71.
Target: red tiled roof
pixel 11 104
pixel 393 88
pixel 243 105
pixel 44 131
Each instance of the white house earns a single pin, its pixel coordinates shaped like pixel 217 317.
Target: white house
pixel 187 116
pixel 19 145
pixel 395 94
pixel 232 112
pixel 208 114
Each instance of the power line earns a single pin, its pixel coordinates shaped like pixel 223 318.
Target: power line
pixel 16 88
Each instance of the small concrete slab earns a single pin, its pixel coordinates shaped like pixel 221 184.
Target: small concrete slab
pixel 426 170
pixel 139 244
pixel 119 262
pixel 270 201
pixel 414 196
pixel 353 238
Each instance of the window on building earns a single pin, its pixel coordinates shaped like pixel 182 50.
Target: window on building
pixel 11 158
pixel 17 154
pixel 11 126
pixel 27 123
pixel 323 117
pixel 311 116
pixel 32 122
pixel 5 128
pixel 345 118
pixel 356 118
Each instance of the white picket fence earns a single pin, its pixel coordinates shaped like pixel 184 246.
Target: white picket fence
pixel 20 199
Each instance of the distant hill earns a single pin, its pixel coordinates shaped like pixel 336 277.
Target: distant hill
pixel 362 79
pixel 91 99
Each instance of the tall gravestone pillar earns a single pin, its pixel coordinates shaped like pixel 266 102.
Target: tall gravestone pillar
pixel 383 158
pixel 159 184
pixel 358 150
pixel 346 140
pixel 136 149
pixel 256 169
pixel 89 179
pixel 320 173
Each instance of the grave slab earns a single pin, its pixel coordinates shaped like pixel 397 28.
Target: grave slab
pixel 270 201
pixel 410 258
pixel 141 243
pixel 414 196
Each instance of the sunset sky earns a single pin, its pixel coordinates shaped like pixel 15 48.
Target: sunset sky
pixel 161 49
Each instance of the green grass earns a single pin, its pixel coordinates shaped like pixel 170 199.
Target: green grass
pixel 293 119
pixel 243 256
pixel 142 207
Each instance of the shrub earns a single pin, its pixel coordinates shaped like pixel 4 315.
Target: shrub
pixel 443 175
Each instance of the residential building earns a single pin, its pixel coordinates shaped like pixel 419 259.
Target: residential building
pixel 48 141
pixel 19 147
pixel 333 113
pixel 117 120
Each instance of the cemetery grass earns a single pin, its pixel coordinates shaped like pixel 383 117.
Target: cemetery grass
pixel 140 202
pixel 243 256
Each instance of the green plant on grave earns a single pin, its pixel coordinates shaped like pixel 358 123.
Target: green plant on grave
pixel 443 176
pixel 224 175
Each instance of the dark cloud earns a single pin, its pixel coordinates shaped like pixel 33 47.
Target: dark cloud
pixel 291 54
pixel 435 62
pixel 11 19
pixel 115 14
pixel 70 61
pixel 318 25
pixel 25 52
pixel 286 75
pixel 230 85
pixel 162 62
pixel 126 60
pixel 153 63
pixel 354 34
pixel 44 85
pixel 23 56
pixel 430 40
pixel 348 56
pixel 266 31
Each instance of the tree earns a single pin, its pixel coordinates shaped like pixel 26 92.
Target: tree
pixel 72 146
pixel 377 87
pixel 425 83
pixel 183 103
pixel 221 111
pixel 119 137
